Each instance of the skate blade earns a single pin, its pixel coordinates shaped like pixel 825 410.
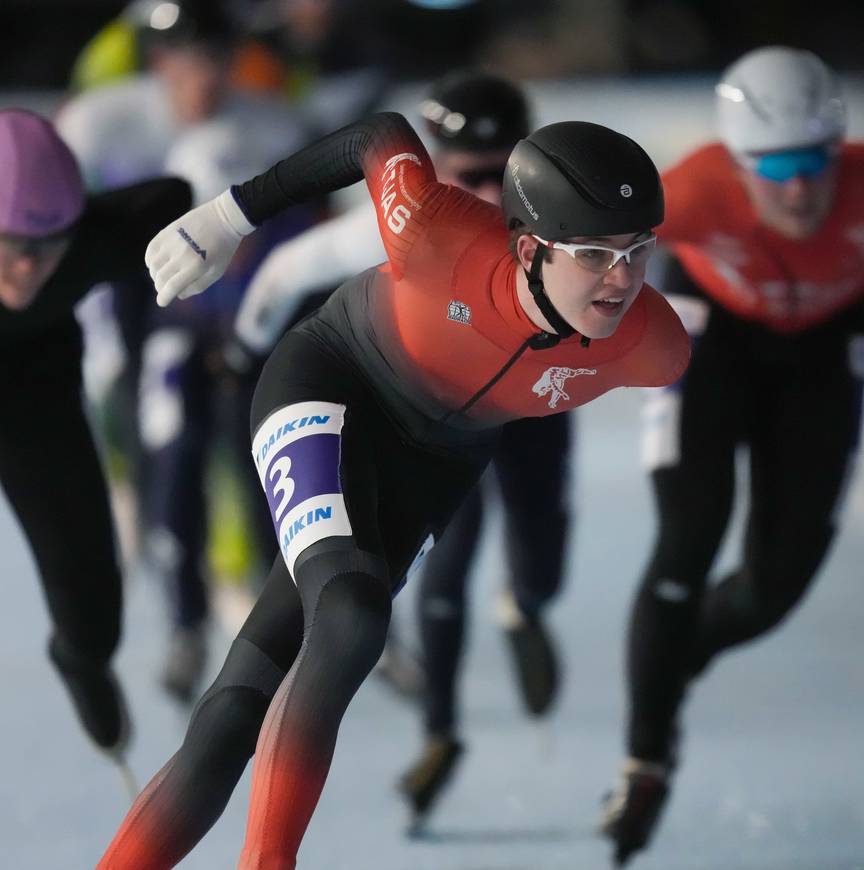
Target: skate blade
pixel 546 739
pixel 417 825
pixel 127 777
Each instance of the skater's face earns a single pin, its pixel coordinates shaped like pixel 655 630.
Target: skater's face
pixel 196 79
pixel 791 191
pixel 478 172
pixel 587 280
pixel 25 265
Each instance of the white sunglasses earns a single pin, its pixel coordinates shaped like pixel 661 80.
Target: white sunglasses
pixel 597 258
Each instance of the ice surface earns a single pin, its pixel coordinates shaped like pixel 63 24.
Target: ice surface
pixel 773 772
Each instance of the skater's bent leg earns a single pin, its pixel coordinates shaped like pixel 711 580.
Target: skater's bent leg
pixel 63 509
pixel 185 798
pixel 800 463
pixel 346 602
pixel 536 506
pixel 689 439
pixel 64 512
pixel 665 622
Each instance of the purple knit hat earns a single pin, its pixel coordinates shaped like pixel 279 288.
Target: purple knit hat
pixel 41 192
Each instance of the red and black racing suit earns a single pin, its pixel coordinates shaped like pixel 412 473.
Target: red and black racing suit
pixel 773 321
pixel 371 421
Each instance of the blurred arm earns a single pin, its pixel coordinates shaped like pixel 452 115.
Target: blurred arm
pixel 321 257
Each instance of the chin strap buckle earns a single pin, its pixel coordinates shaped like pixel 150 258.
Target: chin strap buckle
pixel 543 340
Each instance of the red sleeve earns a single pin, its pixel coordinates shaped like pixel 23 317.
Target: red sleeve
pixel 403 187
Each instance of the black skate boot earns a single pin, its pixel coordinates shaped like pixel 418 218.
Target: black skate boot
pixel 632 811
pixel 534 658
pixel 96 696
pixel 424 781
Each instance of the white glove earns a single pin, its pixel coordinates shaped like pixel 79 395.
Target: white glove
pixel 192 252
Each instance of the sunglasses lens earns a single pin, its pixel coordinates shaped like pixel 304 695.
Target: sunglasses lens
pixel 35 248
pixel 782 166
pixel 643 252
pixel 600 259
pixel 594 259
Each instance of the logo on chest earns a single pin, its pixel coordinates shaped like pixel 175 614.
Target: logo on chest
pixel 553 380
pixel 459 311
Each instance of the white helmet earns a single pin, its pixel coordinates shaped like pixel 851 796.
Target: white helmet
pixel 776 99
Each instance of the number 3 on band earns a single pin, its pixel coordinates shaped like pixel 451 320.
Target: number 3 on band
pixel 282 485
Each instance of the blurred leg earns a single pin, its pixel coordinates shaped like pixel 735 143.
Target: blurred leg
pixel 176 437
pixel 441 612
pixel 706 414
pixel 800 460
pixel 51 473
pixel 532 465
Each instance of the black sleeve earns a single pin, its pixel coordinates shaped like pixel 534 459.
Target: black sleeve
pixel 858 317
pixel 134 214
pixel 108 244
pixel 338 160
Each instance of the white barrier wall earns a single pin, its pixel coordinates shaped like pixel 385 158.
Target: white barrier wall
pixel 667 116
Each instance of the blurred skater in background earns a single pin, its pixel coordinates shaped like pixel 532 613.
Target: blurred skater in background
pixel 768 277
pixel 55 244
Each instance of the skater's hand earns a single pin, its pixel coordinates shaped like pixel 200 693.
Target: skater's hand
pixel 192 252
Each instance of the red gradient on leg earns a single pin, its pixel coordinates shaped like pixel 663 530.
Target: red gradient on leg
pixel 292 760
pixel 143 841
pixel 280 812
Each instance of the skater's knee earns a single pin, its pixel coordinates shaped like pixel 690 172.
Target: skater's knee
pixel 104 638
pixel 441 608
pixel 92 648
pixel 533 592
pixel 97 648
pixel 762 600
pixel 770 604
pixel 227 721
pixel 673 590
pixel 351 619
pixel 229 715
pixel 682 553
pixel 346 605
pixel 88 632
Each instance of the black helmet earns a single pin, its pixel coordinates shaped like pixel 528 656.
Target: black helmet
pixel 174 23
pixel 473 111
pixel 581 179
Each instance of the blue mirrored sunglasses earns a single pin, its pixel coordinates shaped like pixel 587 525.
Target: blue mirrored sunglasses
pixel 782 166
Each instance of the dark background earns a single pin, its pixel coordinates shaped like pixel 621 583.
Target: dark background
pixel 39 39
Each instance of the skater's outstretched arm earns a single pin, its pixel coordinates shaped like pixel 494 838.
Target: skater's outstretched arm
pixel 191 253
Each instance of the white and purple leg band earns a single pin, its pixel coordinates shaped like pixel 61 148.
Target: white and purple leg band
pixel 297 451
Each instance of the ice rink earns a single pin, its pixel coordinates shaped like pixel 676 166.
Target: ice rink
pixel 773 772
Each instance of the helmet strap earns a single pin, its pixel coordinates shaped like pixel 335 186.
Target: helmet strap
pixel 538 291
